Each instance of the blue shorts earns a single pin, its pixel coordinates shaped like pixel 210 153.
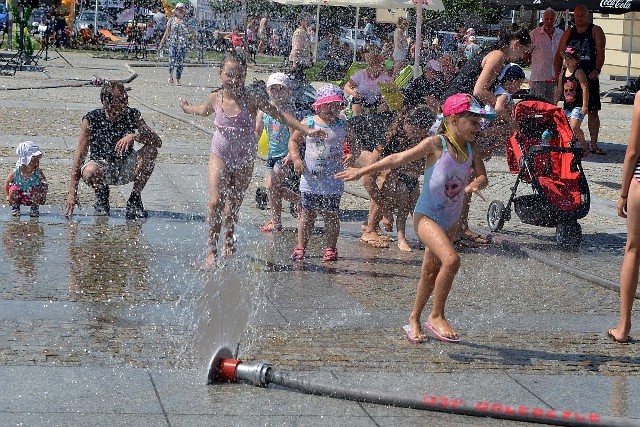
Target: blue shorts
pixel 274 162
pixel 322 202
pixel 576 113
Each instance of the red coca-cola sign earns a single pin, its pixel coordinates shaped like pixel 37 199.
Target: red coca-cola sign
pixel 615 4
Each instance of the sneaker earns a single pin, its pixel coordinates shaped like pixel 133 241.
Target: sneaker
pixel 102 207
pixel 15 210
pixel 135 209
pixel 35 211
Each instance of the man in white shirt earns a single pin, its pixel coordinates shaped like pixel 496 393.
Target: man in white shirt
pixel 544 44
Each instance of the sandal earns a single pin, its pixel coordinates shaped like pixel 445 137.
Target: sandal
pixel 271 226
pixel 330 254
pixel 376 243
pixel 470 236
pixel 298 253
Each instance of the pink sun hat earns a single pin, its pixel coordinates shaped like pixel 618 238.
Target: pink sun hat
pixel 328 93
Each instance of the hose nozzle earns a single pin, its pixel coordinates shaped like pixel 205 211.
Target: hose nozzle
pixel 224 368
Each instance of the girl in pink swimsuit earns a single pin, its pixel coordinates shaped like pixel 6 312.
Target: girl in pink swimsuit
pixel 449 159
pixel 233 149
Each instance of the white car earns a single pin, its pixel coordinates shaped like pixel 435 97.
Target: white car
pixel 86 19
pixel 348 35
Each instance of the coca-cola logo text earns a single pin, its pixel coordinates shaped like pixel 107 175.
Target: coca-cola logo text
pixel 615 4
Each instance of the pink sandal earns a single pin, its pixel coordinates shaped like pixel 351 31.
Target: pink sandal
pixel 298 253
pixel 330 254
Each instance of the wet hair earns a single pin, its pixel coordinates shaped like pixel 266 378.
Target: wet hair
pixel 109 86
pixel 420 116
pixel 234 57
pixel 515 32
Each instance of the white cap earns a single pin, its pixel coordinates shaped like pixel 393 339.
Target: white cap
pixel 471 31
pixel 179 6
pixel 279 79
pixel 25 151
pixel 472 38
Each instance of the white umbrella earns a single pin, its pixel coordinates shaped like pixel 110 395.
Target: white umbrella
pixel 378 4
pixel 126 15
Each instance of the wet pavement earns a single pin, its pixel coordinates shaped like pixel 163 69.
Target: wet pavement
pixel 111 322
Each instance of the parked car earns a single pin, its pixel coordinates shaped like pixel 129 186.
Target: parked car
pixel 86 19
pixel 3 16
pixel 348 35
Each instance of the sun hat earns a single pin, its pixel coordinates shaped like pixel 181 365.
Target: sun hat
pixel 511 72
pixel 328 93
pixel 25 151
pixel 571 52
pixel 279 79
pixel 462 102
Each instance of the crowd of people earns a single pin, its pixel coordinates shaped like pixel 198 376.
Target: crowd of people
pixel 452 119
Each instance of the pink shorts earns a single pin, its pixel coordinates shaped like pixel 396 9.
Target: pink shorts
pixel 22 197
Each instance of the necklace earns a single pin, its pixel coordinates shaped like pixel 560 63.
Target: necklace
pixel 453 141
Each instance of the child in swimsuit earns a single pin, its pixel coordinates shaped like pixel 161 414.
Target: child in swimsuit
pixel 401 186
pixel 449 161
pixel 26 184
pixel 278 161
pixel 233 148
pixel 323 158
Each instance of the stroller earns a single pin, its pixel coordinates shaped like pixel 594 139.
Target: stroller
pixel 560 190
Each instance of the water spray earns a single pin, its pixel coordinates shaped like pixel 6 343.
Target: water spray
pixel 224 368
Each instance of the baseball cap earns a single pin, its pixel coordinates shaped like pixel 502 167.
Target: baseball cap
pixel 511 72
pixel 279 79
pixel 462 102
pixel 179 6
pixel 25 151
pixel 472 38
pixel 328 93
pixel 471 31
pixel 571 52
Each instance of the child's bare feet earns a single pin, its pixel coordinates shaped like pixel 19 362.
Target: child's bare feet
pixel 441 329
pixel 210 263
pixel 403 245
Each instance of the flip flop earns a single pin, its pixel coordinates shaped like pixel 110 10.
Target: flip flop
pixel 599 151
pixel 437 335
pixel 470 236
pixel 376 243
pixel 412 340
pixel 613 337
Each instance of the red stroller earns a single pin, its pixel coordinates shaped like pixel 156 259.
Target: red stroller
pixel 560 191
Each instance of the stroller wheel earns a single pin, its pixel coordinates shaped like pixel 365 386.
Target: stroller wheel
pixel 568 235
pixel 496 215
